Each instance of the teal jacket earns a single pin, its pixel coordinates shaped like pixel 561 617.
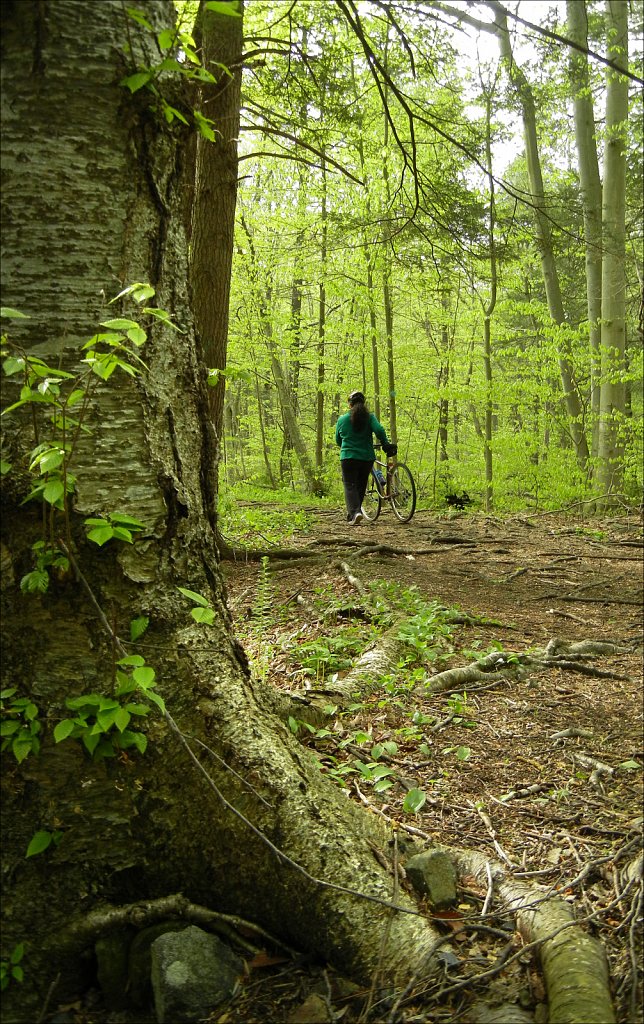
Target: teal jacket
pixel 358 446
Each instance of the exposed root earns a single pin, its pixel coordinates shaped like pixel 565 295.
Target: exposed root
pixel 574 963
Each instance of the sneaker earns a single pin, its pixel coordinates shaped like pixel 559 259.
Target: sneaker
pixel 358 517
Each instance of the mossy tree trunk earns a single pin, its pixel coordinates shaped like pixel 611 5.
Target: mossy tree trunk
pixel 91 201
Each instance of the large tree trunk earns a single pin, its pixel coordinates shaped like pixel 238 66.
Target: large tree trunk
pixel 92 201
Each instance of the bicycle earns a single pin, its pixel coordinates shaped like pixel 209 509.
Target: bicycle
pixel 395 485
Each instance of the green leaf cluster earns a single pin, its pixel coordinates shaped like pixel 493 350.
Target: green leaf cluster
pixel 115 526
pixel 42 840
pixel 202 613
pixel 106 725
pixel 47 559
pixel 10 969
pixel 19 725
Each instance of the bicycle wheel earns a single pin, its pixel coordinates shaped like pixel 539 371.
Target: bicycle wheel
pixel 402 492
pixel 372 502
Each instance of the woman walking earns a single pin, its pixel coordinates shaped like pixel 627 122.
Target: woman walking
pixel 354 436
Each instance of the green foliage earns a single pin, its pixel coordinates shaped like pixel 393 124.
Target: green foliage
pixel 115 526
pixel 202 613
pixel 228 7
pixel 47 559
pixel 42 840
pixel 461 711
pixel 19 725
pixel 59 402
pixel 247 524
pixel 179 62
pixel 462 753
pixel 325 655
pixel 106 725
pixel 10 969
pixel 414 801
pixel 138 627
pixel 262 610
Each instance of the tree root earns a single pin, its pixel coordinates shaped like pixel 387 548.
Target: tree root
pixel 574 963
pixel 504 664
pixel 84 931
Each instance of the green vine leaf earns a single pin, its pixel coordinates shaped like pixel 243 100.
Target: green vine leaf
pixel 414 801
pixel 40 842
pixel 228 7
pixel 205 616
pixel 13 314
pixel 138 627
pixel 137 81
pixel 63 730
pixel 193 596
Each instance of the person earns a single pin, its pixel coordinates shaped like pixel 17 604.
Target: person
pixel 354 436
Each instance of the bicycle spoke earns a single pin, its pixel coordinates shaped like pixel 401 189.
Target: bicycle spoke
pixel 372 504
pixel 402 492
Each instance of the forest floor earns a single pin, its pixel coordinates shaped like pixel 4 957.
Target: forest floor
pixel 540 773
pixel 497 774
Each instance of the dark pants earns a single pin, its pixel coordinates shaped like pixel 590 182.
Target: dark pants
pixel 355 476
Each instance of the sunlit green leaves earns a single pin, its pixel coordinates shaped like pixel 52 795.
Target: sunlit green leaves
pixel 229 8
pixel 414 801
pixel 137 81
pixel 203 613
pixel 115 526
pixel 12 314
pixel 19 725
pixel 204 125
pixel 138 627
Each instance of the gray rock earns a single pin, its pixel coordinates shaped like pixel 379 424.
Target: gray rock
pixel 432 873
pixel 192 973
pixel 139 965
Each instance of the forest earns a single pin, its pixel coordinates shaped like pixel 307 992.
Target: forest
pixel 260 763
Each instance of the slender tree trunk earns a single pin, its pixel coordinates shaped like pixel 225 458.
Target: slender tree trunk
pixel 488 311
pixel 262 430
pixel 370 260
pixel 591 195
pixel 373 334
pixel 443 382
pixel 613 323
pixel 320 431
pixel 521 85
pixel 280 377
pixel 215 193
pixel 387 299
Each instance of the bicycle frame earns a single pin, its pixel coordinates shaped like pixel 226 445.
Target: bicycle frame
pixel 388 468
pixel 398 489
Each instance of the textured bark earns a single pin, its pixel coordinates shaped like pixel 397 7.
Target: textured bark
pixel 591 192
pixel 92 200
pixel 544 235
pixel 213 212
pixel 613 324
pixel 574 963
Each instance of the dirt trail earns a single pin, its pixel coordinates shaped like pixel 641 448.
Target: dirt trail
pixel 522 794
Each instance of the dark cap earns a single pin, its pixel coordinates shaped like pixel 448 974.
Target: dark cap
pixel 356 396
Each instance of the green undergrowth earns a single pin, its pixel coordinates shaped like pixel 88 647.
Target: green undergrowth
pixel 369 743
pixel 252 515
